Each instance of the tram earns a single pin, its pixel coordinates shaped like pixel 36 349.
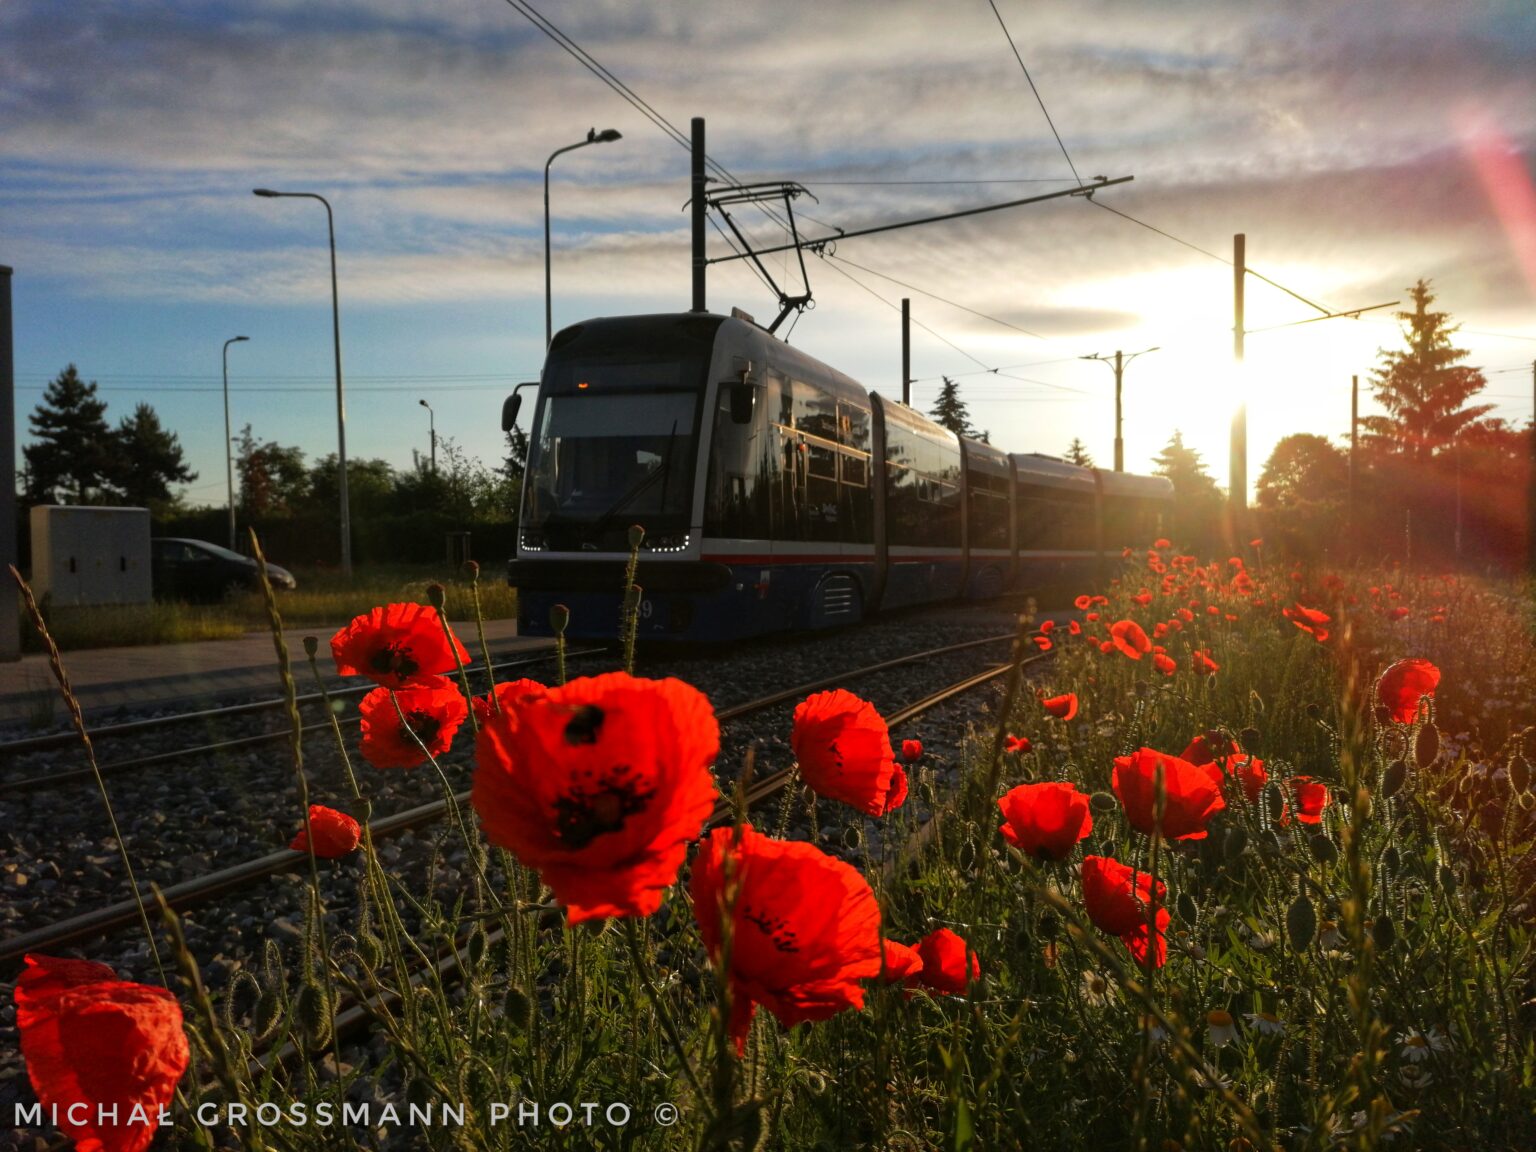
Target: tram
pixel 778 494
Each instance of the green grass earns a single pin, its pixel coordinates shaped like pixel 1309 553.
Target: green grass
pixel 322 598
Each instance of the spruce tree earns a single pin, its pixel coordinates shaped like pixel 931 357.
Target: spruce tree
pixel 950 411
pixel 1183 466
pixel 1425 388
pixel 73 452
pixel 1077 453
pixel 146 459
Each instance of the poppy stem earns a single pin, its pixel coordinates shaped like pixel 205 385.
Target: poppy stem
pixel 485 647
pixel 1010 696
pixel 437 596
pixel 56 663
pixel 663 1013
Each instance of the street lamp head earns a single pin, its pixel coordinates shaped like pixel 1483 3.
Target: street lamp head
pixel 265 192
pixel 425 405
pixel 607 135
pixel 237 339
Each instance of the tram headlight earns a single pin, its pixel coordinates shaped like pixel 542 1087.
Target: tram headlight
pixel 667 542
pixel 531 540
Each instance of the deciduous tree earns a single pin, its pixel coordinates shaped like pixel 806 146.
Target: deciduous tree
pixel 1303 468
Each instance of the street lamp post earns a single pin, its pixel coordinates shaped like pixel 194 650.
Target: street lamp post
pixel 1120 362
pixel 229 459
pixel 593 137
pixel 341 408
pixel 432 432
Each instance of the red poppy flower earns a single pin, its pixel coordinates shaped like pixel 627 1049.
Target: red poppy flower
pixel 1404 685
pixel 1159 630
pixel 1208 747
pixel 1256 543
pixel 911 750
pixel 336 833
pixel 1164 664
pixel 396 645
pixel 1200 660
pixel 1192 797
pixel 1309 620
pixel 1045 820
pixel 1128 637
pixel 1047 625
pixel 1082 602
pixel 901 961
pixel 1175 625
pixel 433 711
pixel 805 929
pixel 1091 617
pixel 1162 543
pixel 1117 898
pixel 1043 643
pixel 1017 744
pixel 1311 798
pixel 95 1045
pixel 844 750
pixel 505 693
pixel 1249 771
pixel 600 785
pixel 1143 597
pixel 1186 615
pixel 1106 647
pixel 949 964
pixel 1074 627
pixel 1062 707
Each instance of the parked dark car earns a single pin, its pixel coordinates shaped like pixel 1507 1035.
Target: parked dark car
pixel 197 570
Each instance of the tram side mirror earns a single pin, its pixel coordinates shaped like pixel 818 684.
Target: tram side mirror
pixel 743 397
pixel 509 408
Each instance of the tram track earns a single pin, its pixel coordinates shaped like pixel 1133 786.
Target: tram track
pixel 203 890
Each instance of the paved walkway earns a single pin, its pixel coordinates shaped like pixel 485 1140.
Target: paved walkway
pixel 108 679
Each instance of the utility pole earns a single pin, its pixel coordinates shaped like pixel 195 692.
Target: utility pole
pixel 1121 361
pixel 1354 449
pixel 1530 495
pixel 906 351
pixel 10 611
pixel 1237 473
pixel 698 206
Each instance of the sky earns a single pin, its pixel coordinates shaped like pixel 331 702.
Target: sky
pixel 1359 145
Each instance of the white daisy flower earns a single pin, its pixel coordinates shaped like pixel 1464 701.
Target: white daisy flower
pixel 1264 1023
pixel 1221 1027
pixel 1419 1046
pixel 1329 936
pixel 1097 990
pixel 1413 1076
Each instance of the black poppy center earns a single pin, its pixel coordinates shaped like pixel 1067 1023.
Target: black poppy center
pixel 425 725
pixel 583 726
pixel 395 660
pixel 776 928
pixel 585 813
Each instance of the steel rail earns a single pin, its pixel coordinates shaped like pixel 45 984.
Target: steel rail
pixel 128 727
pixel 85 775
pixel 196 892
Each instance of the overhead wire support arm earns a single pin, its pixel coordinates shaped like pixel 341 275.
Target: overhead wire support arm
pixel 789 191
pixel 817 244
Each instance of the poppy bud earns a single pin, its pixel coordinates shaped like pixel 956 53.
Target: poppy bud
pixel 1520 774
pixel 1107 849
pixel 1390 858
pixel 1447 881
pixel 1426 746
pixel 518 1008
pixel 437 595
pixel 1235 841
pixel 1251 739
pixel 559 617
pixel 911 750
pixel 1314 712
pixel 1188 910
pixel 1269 842
pixel 1394 778
pixel 370 949
pixel 1527 801
pixel 311 645
pixel 1274 801
pixel 636 536
pixel 472 570
pixel 853 837
pixel 1102 802
pixel 965 857
pixel 1384 933
pixel 1323 848
pixel 312 1014
pixel 1050 925
pixel 1301 923
pixel 476 948
pixel 267 1013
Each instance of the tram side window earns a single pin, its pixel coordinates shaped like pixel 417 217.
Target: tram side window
pixel 1052 518
pixel 922 489
pixel 742 494
pixel 988 510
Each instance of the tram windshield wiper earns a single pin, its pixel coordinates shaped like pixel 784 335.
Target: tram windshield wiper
pixel 661 471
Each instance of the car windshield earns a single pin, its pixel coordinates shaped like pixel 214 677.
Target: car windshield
pixel 221 553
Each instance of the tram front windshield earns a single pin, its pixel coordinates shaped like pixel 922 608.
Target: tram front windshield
pixel 614 446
